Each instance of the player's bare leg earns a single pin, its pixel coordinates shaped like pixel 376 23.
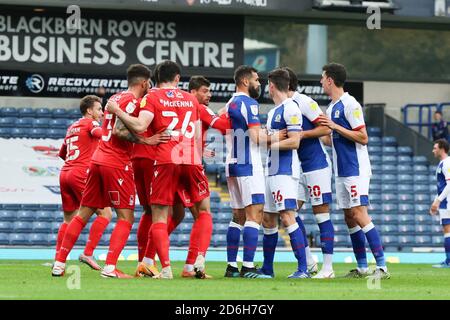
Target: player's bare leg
pixel 71 235
pixel 322 215
pixel 297 243
pixel 118 241
pixel 160 237
pixel 233 239
pixel 99 226
pixel 312 264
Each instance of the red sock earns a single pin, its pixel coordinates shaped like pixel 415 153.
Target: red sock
pixel 73 231
pixel 142 234
pixel 118 241
pixel 59 240
pixel 150 251
pixel 160 238
pixel 206 226
pixel 193 243
pixel 96 232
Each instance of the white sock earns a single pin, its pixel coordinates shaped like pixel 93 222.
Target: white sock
pixel 233 264
pixel 248 264
pixel 148 261
pixel 60 264
pixel 309 257
pixel 109 268
pixel 189 267
pixel 327 262
pixel 362 270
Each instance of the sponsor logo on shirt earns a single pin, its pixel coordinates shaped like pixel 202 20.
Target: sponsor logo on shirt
pixel 314 106
pixel 357 113
pixel 120 181
pixel 295 120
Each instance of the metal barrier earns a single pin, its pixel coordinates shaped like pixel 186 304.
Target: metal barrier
pixel 425 116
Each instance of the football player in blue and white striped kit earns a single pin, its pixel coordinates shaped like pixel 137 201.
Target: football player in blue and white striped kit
pixel 352 169
pixel 441 204
pixel 282 176
pixel 315 180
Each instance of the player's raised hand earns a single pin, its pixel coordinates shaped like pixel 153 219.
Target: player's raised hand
pixel 435 207
pixel 112 106
pixel 281 135
pixel 157 139
pixel 208 153
pixel 325 121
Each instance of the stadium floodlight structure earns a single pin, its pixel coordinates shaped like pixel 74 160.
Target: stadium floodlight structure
pixel 355 5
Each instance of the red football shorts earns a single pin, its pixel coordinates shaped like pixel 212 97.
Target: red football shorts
pixel 72 183
pixel 173 182
pixel 109 187
pixel 143 173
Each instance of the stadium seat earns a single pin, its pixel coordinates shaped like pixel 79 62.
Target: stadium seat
pixel 375 208
pixel 5 226
pixel 219 240
pixel 422 198
pixel 389 178
pixel 223 217
pixel 4 239
pixel 423 241
pixel 374 131
pixel 19 239
pixel 389 141
pixel 405 198
pixel 132 240
pixel 73 113
pixel 389 207
pixel 375 187
pixel 375 159
pixel 404 168
pixel 8 122
pixel 20 132
pixel 388 228
pixel 389 150
pixel 41 123
pixel 405 187
pixel 51 239
pixel 82 239
pixel 55 226
pixel 421 188
pixel 185 227
pixel 5 133
pixel 49 206
pixel 26 112
pixel 435 240
pixel 405 151
pixel 11 206
pixel 422 228
pixel 389 168
pixel 387 218
pixel 42 215
pixel 405 160
pixel 9 112
pixel 69 122
pixel 374 198
pixel 7 215
pixel 24 123
pixel 183 239
pixel 406 228
pixel 436 228
pixel 58 123
pixel 404 219
pixel 389 159
pixel 59 113
pixel 421 179
pixel 212 168
pixel 422 219
pixel 104 240
pixel 38 239
pixel 389 198
pixel 30 206
pixel 338 228
pixel 43 113
pixel 374 141
pixel 406 208
pixel 220 228
pixel 389 188
pixel 376 178
pixel 389 240
pixel 422 160
pixel 37 133
pixel 342 240
pixel 433 189
pixel 22 226
pixel 405 178
pixel 25 215
pixel 407 241
pixel 376 168
pixel 375 149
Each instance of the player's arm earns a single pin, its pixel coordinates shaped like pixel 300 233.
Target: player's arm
pixel 326 140
pixel 444 194
pixel 135 124
pixel 63 151
pixel 318 132
pixel 358 134
pixel 291 143
pixel 293 118
pixel 121 131
pixel 221 123
pixel 312 112
pixel 260 136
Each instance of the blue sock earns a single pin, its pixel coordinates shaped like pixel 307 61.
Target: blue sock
pixel 359 246
pixel 250 238
pixel 298 246
pixel 375 244
pixel 270 241
pixel 447 247
pixel 303 229
pixel 326 232
pixel 233 238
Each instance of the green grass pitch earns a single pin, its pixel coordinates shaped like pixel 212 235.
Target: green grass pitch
pixel 32 280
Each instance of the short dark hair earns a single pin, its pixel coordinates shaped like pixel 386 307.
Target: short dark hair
pixel 137 72
pixel 196 82
pixel 443 144
pixel 243 72
pixel 167 71
pixel 156 73
pixel 88 102
pixel 336 72
pixel 437 111
pixel 293 79
pixel 280 79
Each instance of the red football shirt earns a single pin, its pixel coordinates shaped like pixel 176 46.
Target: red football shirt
pixel 142 150
pixel 210 119
pixel 177 112
pixel 112 151
pixel 80 143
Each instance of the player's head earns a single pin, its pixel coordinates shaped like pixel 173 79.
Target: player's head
pixel 440 148
pixel 169 72
pixel 438 116
pixel 138 77
pixel 199 87
pixel 334 75
pixel 293 79
pixel 156 74
pixel 91 107
pixel 247 80
pixel 278 81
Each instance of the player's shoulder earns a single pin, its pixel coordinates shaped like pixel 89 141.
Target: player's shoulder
pixel 349 101
pixel 290 104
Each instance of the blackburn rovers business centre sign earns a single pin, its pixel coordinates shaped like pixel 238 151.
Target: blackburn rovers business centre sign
pixel 107 42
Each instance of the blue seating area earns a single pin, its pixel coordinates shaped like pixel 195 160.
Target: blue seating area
pixel 36 123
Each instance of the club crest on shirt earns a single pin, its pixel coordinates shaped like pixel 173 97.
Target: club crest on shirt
pixel 170 94
pixel 130 107
pixel 179 95
pixel 278 118
pixel 254 109
pixel 337 113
